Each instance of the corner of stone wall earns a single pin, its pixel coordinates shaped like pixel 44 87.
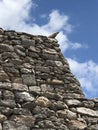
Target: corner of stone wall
pixel 37 88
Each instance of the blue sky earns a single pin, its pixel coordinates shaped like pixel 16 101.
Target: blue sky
pixel 77 22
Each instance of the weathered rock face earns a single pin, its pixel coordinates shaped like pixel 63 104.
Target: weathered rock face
pixel 37 88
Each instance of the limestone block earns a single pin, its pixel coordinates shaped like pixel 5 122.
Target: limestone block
pixel 46 88
pixel 28 65
pixel 16 80
pixel 10 33
pixel 47 56
pixel 93 127
pixel 46 123
pixel 4 77
pixel 35 89
pixel 23 97
pixel 66 114
pixel 7 112
pixel 59 63
pixel 15 42
pixel 42 69
pixel 87 111
pixel 73 102
pixel 21 111
pixel 5 85
pixel 11 70
pixel 2 118
pixel 59 105
pixel 34 49
pixel 90 120
pixel 12 125
pixel 50 51
pixel 20 53
pixel 8 103
pixel 52 95
pixel 43 112
pixel 8 95
pixel 77 125
pixel 55 81
pixel 25 71
pixel 24 120
pixel 19 87
pixel 5 47
pixel 29 79
pixel 43 101
pixel 7 55
pixel 27 42
pixel 89 104
pixel 33 54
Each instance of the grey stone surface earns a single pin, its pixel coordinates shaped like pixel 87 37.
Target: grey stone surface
pixel 29 79
pixel 77 125
pixel 73 102
pixel 23 96
pixel 43 101
pixel 8 103
pixel 87 111
pixel 93 127
pixel 37 88
pixel 5 47
pixel 11 125
pixel 66 114
pixel 19 87
pixel 0 126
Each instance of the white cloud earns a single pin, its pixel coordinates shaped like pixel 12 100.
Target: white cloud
pixel 66 44
pixel 87 73
pixel 76 45
pixel 14 15
pixel 57 22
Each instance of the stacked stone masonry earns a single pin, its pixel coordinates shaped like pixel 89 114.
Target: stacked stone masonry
pixel 37 89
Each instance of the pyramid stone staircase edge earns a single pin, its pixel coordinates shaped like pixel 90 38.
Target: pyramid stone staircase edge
pixel 37 87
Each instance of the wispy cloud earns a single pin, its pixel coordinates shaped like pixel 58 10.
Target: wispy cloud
pixel 15 15
pixel 58 21
pixel 87 73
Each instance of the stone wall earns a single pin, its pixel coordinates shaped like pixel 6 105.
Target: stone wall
pixel 37 88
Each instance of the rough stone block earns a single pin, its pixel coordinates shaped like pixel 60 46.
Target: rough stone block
pixel 23 97
pixel 29 79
